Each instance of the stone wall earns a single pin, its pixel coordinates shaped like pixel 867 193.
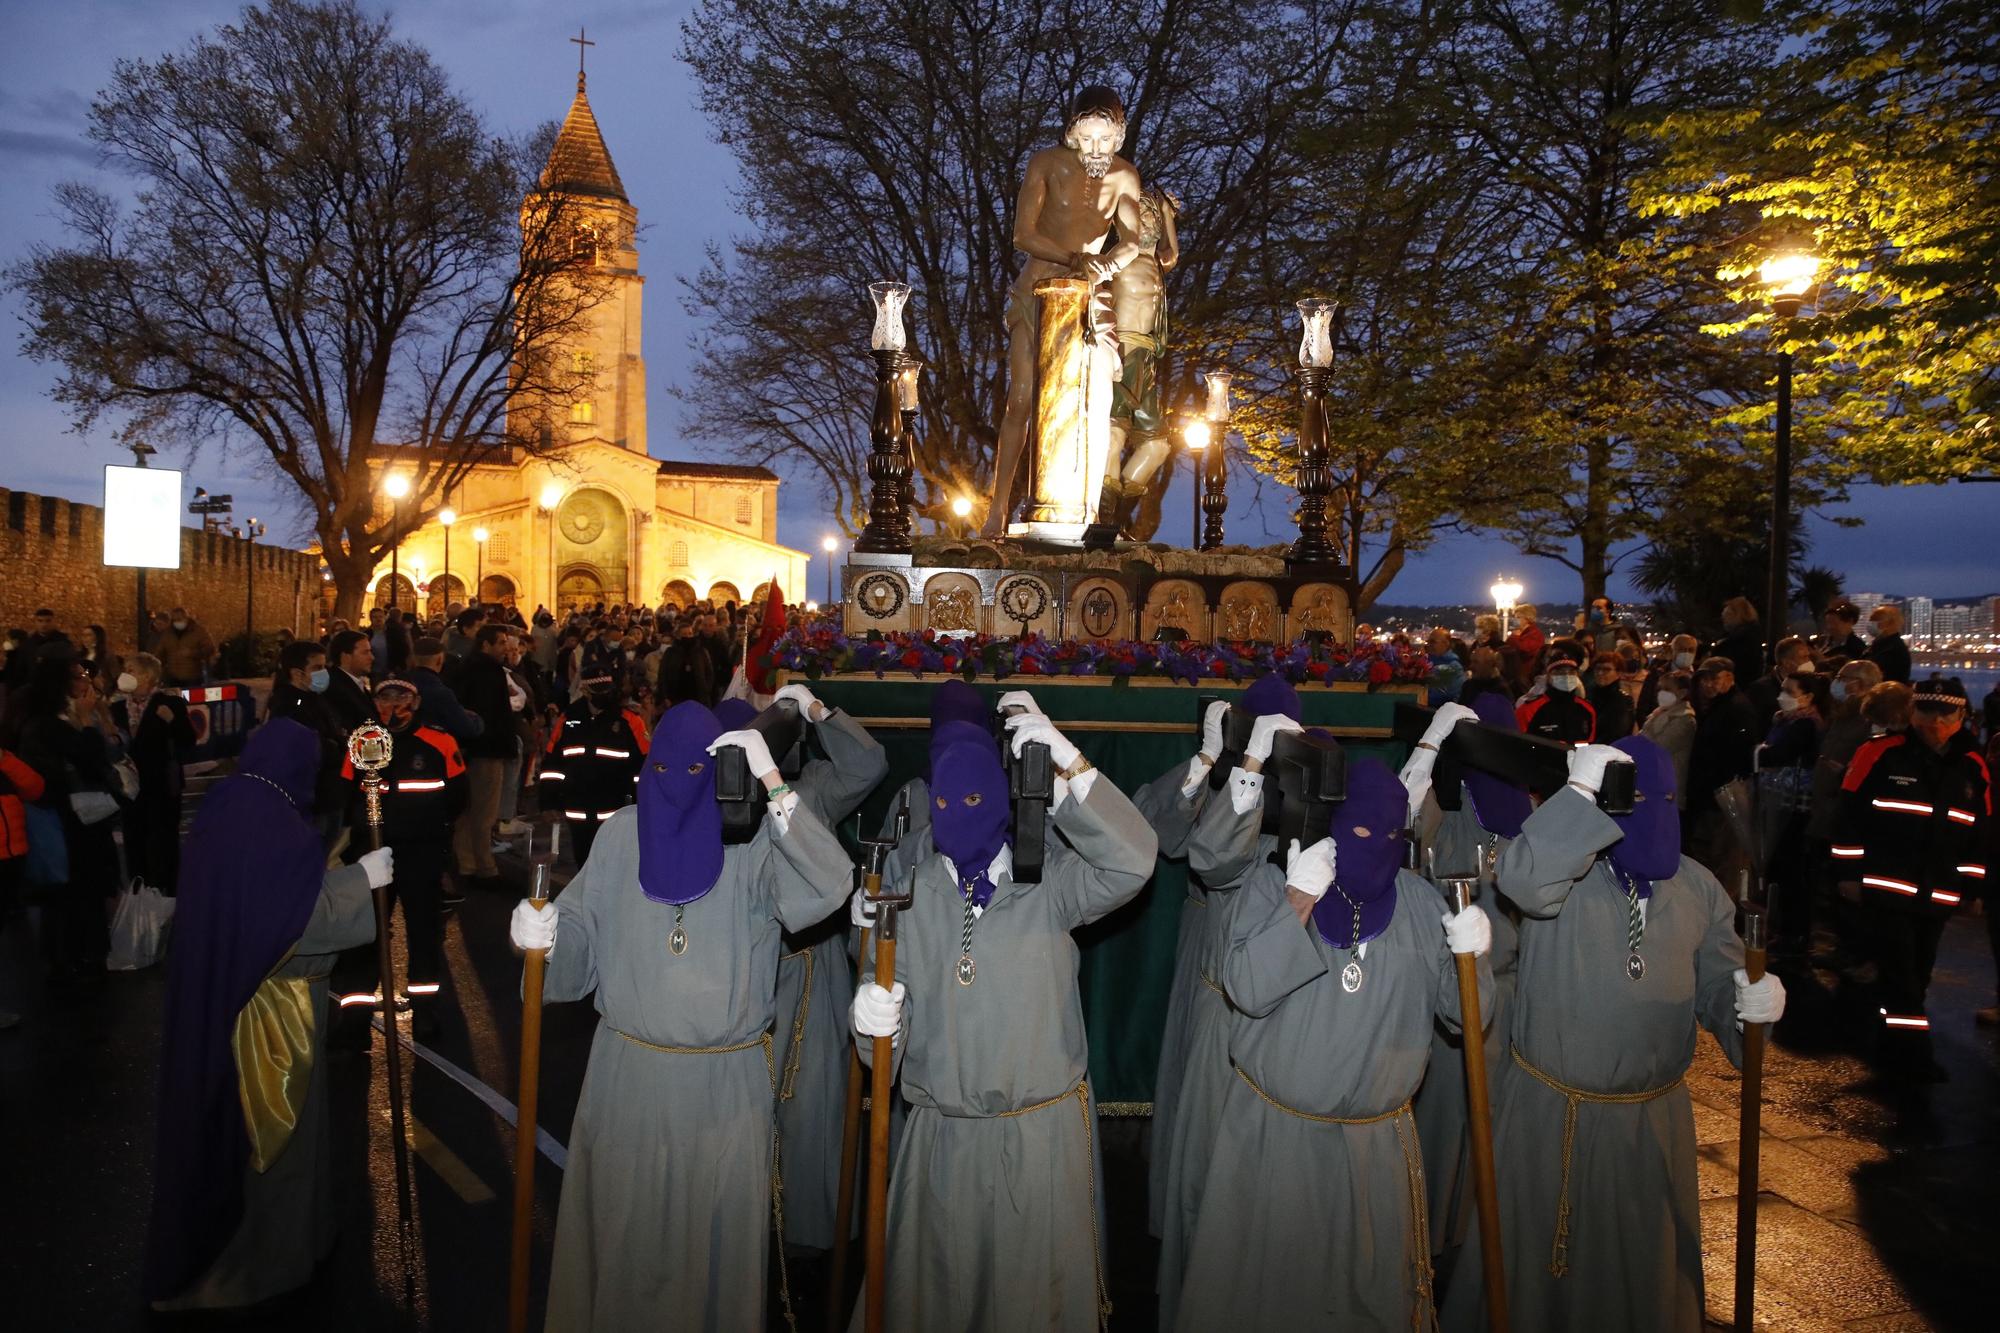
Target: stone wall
pixel 52 554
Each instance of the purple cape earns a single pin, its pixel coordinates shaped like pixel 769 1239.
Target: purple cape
pixel 1499 805
pixel 1651 847
pixel 970 814
pixel 680 823
pixel 1367 855
pixel 251 872
pixel 1271 693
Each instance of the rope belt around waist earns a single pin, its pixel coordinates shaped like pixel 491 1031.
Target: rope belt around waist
pixel 761 1039
pixel 1572 1098
pixel 1413 1174
pixel 1209 982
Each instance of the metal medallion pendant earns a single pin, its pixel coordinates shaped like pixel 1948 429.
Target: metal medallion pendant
pixel 966 971
pixel 1635 966
pixel 677 943
pixel 1350 977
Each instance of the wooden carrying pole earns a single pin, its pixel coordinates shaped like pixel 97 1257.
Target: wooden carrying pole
pixel 1479 1121
pixel 850 1155
pixel 878 1127
pixel 533 963
pixel 1749 1128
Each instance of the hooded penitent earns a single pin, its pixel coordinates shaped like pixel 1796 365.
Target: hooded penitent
pixel 956 701
pixel 1367 855
pixel 251 872
pixel 970 817
pixel 1271 694
pixel 680 822
pixel 1651 847
pixel 1498 804
pixel 735 714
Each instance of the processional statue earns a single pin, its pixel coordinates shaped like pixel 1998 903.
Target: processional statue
pixel 1068 321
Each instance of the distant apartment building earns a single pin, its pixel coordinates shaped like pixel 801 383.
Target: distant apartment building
pixel 1951 623
pixel 1993 614
pixel 1919 619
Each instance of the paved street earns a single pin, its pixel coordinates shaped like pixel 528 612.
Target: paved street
pixel 1871 1218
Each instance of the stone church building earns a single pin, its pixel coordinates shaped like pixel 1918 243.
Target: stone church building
pixel 597 518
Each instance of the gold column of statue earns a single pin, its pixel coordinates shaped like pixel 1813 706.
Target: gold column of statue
pixel 1069 198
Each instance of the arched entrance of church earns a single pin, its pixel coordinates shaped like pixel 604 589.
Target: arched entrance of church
pixel 678 593
pixel 496 590
pixel 719 593
pixel 591 540
pixel 396 590
pixel 580 586
pixel 441 593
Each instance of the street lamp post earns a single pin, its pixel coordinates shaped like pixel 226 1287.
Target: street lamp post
pixel 396 486
pixel 447 516
pixel 479 536
pixel 251 532
pixel 1196 434
pixel 1215 497
pixel 1506 596
pixel 140 451
pixel 888 529
pixel 1315 369
pixel 552 495
pixel 829 544
pixel 1788 277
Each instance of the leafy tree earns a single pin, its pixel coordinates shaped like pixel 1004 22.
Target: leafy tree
pixel 1872 143
pixel 327 249
pixel 1714 543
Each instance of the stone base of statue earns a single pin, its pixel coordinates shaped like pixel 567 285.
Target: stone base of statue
pixel 1076 367
pixel 1142 592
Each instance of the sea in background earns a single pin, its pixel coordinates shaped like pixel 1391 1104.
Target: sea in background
pixel 1979 681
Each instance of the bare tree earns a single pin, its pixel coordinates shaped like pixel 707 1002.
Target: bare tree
pixel 329 256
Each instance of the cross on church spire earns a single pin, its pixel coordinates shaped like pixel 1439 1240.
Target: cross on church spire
pixel 581 41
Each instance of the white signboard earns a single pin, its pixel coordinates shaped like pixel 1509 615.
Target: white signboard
pixel 142 517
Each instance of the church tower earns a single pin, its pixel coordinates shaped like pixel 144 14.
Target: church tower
pixel 612 405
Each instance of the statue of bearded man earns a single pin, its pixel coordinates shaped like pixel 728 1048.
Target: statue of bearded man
pixel 1070 198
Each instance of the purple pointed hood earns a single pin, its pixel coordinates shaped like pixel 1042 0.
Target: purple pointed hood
pixel 680 822
pixel 735 714
pixel 1651 847
pixel 251 872
pixel 970 816
pixel 955 701
pixel 1498 804
pixel 1271 694
pixel 1367 854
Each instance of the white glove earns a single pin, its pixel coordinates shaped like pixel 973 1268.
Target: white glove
pixel 1470 931
pixel 1442 721
pixel 753 747
pixel 1018 699
pixel 1211 730
pixel 878 1012
pixel 861 912
pixel 380 866
pixel 1264 734
pixel 810 707
pixel 1310 871
pixel 1587 764
pixel 1034 727
pixel 1759 1001
pixel 533 925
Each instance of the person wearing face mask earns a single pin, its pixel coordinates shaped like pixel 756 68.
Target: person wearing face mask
pixel 1671 726
pixel 1627 948
pixel 158 737
pixel 424 790
pixel 667 1199
pixel 1609 703
pixel 988 1033
pixel 1225 844
pixel 186 650
pixel 1889 651
pixel 1784 799
pixel 298 692
pixel 1338 964
pixel 592 763
pixel 1560 713
pixel 1914 812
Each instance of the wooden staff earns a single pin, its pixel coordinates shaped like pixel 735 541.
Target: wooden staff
pixel 1749 1126
pixel 369 748
pixel 534 961
pixel 886 902
pixel 1479 1120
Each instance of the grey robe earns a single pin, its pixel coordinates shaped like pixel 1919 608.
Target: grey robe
pixel 666 1202
pixel 288 1213
pixel 1223 849
pixel 1172 816
pixel 1633 1260
pixel 992 1221
pixel 810 1043
pixel 1460 844
pixel 1304 1223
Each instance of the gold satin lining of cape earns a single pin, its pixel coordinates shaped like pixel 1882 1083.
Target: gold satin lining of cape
pixel 273 1042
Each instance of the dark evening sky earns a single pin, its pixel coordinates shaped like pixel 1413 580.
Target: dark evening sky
pixel 512 60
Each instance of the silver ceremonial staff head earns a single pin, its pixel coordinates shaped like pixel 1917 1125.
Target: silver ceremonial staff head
pixel 369 747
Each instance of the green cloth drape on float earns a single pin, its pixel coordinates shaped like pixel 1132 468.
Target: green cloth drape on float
pixel 1132 729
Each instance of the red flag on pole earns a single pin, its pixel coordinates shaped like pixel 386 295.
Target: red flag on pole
pixel 763 676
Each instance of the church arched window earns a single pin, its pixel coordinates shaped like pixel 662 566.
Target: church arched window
pixel 743 510
pixel 678 556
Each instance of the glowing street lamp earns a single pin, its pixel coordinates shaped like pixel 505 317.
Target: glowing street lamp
pixel 1506 596
pixel 829 544
pixel 552 495
pixel 1215 470
pixel 479 536
pixel 1788 277
pixel 1196 435
pixel 961 509
pixel 447 516
pixel 397 487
